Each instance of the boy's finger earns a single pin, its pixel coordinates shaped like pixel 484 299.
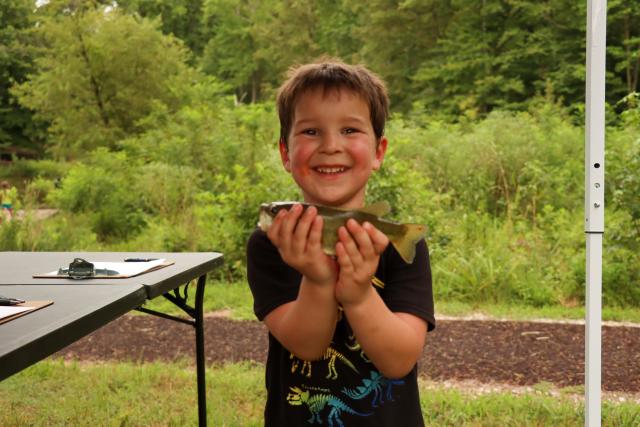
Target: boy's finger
pixel 349 245
pixel 274 229
pixel 362 238
pixel 305 221
pixel 378 238
pixel 346 266
pixel 315 233
pixel 301 231
pixel 289 220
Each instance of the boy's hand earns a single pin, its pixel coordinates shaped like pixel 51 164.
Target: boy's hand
pixel 298 237
pixel 358 252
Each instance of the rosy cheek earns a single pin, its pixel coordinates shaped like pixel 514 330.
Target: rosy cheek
pixel 300 169
pixel 305 172
pixel 300 162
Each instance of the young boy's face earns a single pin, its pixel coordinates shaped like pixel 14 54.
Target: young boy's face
pixel 332 148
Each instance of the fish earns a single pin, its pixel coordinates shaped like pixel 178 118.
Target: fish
pixel 403 237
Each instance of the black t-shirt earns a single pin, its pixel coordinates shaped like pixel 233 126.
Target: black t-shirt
pixel 343 388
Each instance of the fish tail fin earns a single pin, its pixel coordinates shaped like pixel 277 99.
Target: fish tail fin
pixel 405 244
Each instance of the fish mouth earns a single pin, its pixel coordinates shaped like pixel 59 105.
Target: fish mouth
pixel 264 220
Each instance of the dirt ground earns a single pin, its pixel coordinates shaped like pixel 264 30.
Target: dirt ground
pixel 485 351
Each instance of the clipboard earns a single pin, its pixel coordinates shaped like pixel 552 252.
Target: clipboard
pixel 112 270
pixel 32 305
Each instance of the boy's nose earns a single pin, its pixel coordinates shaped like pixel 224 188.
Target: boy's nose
pixel 331 143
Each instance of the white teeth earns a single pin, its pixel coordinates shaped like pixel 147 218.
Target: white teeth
pixel 330 170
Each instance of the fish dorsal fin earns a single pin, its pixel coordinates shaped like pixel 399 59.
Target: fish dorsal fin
pixel 378 209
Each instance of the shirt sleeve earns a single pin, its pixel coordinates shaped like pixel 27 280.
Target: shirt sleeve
pixel 271 280
pixel 408 287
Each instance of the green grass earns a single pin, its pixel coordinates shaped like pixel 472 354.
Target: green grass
pixel 523 312
pixel 447 407
pixel 54 393
pixel 237 298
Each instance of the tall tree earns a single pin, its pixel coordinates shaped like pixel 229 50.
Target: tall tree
pixel 396 38
pixel 17 128
pixel 498 54
pixel 254 42
pixel 336 29
pixel 563 39
pixel 180 18
pixel 623 39
pixel 100 73
pixel 229 53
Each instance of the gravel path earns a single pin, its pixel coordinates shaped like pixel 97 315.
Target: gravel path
pixel 485 351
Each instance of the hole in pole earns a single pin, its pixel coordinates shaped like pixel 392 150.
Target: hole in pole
pixel 596 165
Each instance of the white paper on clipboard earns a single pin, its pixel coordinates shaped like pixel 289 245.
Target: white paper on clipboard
pixel 115 270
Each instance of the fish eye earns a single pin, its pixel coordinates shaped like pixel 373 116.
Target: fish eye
pixel 274 210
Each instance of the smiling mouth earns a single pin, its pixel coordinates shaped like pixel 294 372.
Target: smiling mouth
pixel 330 170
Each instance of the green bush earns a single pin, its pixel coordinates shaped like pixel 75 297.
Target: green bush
pixel 227 216
pixel 502 198
pixel 105 188
pixel 508 165
pixel 30 169
pixel 623 175
pixel 489 261
pixel 63 232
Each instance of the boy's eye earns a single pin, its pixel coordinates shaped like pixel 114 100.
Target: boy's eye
pixel 310 132
pixel 350 130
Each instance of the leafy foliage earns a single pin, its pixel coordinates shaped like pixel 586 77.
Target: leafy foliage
pixel 95 81
pixel 17 129
pixel 159 140
pixel 455 59
pixel 180 18
pixel 102 189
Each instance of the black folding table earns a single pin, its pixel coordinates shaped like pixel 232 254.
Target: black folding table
pixel 82 306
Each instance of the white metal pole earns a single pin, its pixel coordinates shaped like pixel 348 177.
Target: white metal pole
pixel 594 205
pixel 593 342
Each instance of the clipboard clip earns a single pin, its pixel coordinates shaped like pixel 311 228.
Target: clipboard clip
pixel 79 269
pixel 10 301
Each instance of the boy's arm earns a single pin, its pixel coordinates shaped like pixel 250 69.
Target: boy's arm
pixel 392 341
pixel 306 325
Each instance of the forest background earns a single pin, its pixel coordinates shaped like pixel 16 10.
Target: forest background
pixel 150 126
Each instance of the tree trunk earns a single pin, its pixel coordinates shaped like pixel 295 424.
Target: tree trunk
pixel 627 49
pixel 95 86
pixel 254 89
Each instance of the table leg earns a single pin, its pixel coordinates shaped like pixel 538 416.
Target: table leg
pixel 200 361
pixel 197 321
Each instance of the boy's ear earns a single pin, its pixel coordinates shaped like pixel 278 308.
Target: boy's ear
pixel 284 154
pixel 381 149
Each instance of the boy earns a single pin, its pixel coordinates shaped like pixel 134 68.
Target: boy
pixel 342 352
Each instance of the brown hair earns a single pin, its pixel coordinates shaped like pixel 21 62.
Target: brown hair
pixel 332 74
